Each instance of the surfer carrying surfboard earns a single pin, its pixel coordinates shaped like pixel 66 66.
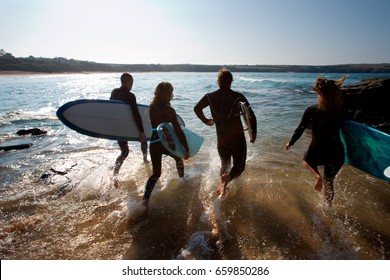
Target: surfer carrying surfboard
pixel 160 112
pixel 124 94
pixel 325 121
pixel 225 109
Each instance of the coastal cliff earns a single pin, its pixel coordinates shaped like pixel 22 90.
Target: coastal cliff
pixel 367 102
pixel 63 65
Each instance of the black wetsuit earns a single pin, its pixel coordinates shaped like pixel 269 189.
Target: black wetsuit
pixel 159 114
pixel 224 106
pixel 325 147
pixel 123 94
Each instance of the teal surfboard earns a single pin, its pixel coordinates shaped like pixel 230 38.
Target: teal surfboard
pixel 171 142
pixel 367 149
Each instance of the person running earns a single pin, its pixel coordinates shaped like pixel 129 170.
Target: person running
pixel 225 111
pixel 161 111
pixel 325 149
pixel 124 94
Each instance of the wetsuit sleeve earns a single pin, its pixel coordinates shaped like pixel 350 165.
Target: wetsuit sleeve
pixel 203 103
pixel 179 132
pixel 136 114
pixel 301 127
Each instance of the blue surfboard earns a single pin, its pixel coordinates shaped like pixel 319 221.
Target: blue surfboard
pixel 171 142
pixel 367 149
pixel 108 119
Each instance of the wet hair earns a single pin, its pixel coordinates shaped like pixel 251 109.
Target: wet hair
pixel 329 97
pixel 162 94
pixel 125 77
pixel 225 78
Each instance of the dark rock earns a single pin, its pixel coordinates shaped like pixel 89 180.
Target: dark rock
pixel 33 131
pixel 367 102
pixel 45 176
pixel 6 148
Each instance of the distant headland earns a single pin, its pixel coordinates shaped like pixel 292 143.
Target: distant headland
pixel 9 63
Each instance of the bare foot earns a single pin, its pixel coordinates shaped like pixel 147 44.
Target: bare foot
pixel 145 203
pixel 222 188
pixel 318 184
pixel 146 161
pixel 115 182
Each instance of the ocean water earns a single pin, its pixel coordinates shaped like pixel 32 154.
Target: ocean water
pixel 58 199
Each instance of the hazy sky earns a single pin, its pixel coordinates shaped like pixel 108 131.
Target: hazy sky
pixel 301 32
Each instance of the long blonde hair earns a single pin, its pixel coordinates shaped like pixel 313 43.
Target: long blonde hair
pixel 163 94
pixel 329 97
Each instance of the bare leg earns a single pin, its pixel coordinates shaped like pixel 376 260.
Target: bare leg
pixel 180 167
pixel 327 190
pixel 121 158
pixel 144 149
pixel 149 188
pixel 318 183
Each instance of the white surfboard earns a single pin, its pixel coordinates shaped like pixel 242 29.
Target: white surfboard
pixel 171 142
pixel 245 119
pixel 109 119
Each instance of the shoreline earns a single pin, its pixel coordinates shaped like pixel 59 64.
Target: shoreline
pixel 19 73
pixel 29 73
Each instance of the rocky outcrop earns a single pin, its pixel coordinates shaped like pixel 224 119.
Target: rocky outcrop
pixel 368 102
pixel 33 131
